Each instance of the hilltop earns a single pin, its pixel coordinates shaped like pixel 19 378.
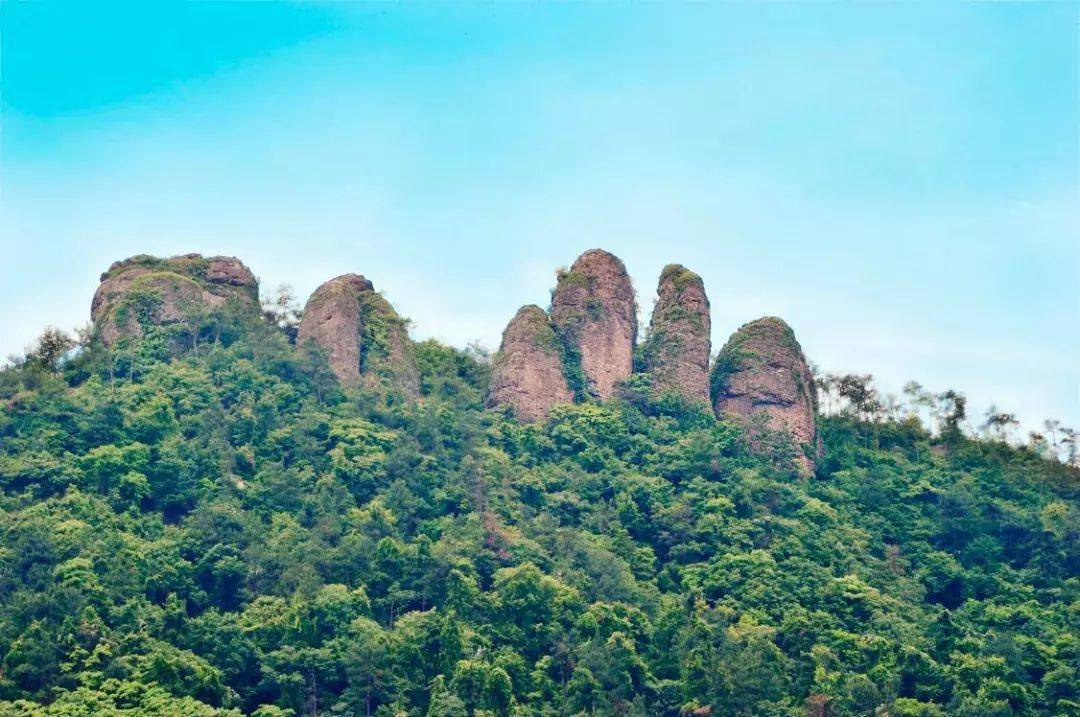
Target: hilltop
pixel 215 508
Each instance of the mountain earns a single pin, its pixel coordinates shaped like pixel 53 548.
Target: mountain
pixel 216 511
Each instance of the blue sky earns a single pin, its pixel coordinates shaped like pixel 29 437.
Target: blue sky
pixel 898 181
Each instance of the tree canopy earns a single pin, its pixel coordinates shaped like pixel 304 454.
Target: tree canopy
pixel 204 523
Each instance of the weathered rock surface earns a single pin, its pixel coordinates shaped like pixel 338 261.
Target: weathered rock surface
pixel 527 372
pixel 677 350
pixel 365 339
pixel 761 379
pixel 146 290
pixel 332 321
pixel 594 312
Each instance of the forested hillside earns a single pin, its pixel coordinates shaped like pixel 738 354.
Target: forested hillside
pixel 208 524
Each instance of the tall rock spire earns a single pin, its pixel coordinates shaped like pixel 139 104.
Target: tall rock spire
pixel 677 350
pixel 595 315
pixel 527 372
pixel 762 380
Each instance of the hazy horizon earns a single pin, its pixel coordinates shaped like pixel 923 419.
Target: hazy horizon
pixel 899 183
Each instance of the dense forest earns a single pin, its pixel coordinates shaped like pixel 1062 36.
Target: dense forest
pixel 204 523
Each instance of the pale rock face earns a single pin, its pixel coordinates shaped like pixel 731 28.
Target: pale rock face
pixel 593 310
pixel 163 291
pixel 365 339
pixel 677 350
pixel 332 321
pixel 762 380
pixel 527 372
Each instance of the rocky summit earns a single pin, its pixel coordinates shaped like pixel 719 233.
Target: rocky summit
pixel 144 290
pixel 365 340
pixel 527 372
pixel 762 380
pixel 595 315
pixel 676 352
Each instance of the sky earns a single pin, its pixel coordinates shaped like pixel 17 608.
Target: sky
pixel 897 181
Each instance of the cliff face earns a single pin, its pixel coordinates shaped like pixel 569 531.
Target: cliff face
pixel 365 339
pixel 594 313
pixel 677 350
pixel 761 379
pixel 527 372
pixel 145 290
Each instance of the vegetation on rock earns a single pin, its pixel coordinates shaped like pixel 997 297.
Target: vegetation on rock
pixel 144 291
pixel 595 315
pixel 676 351
pixel 362 335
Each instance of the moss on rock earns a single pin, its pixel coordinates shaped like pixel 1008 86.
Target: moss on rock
pixel 184 286
pixel 676 352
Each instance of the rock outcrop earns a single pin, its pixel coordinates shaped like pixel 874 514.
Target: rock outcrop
pixel 761 379
pixel 527 372
pixel 365 339
pixel 332 321
pixel 677 350
pixel 146 290
pixel 594 314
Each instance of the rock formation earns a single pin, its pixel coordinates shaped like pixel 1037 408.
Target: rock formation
pixel 761 379
pixel 677 350
pixel 527 372
pixel 332 321
pixel 145 290
pixel 365 339
pixel 594 314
